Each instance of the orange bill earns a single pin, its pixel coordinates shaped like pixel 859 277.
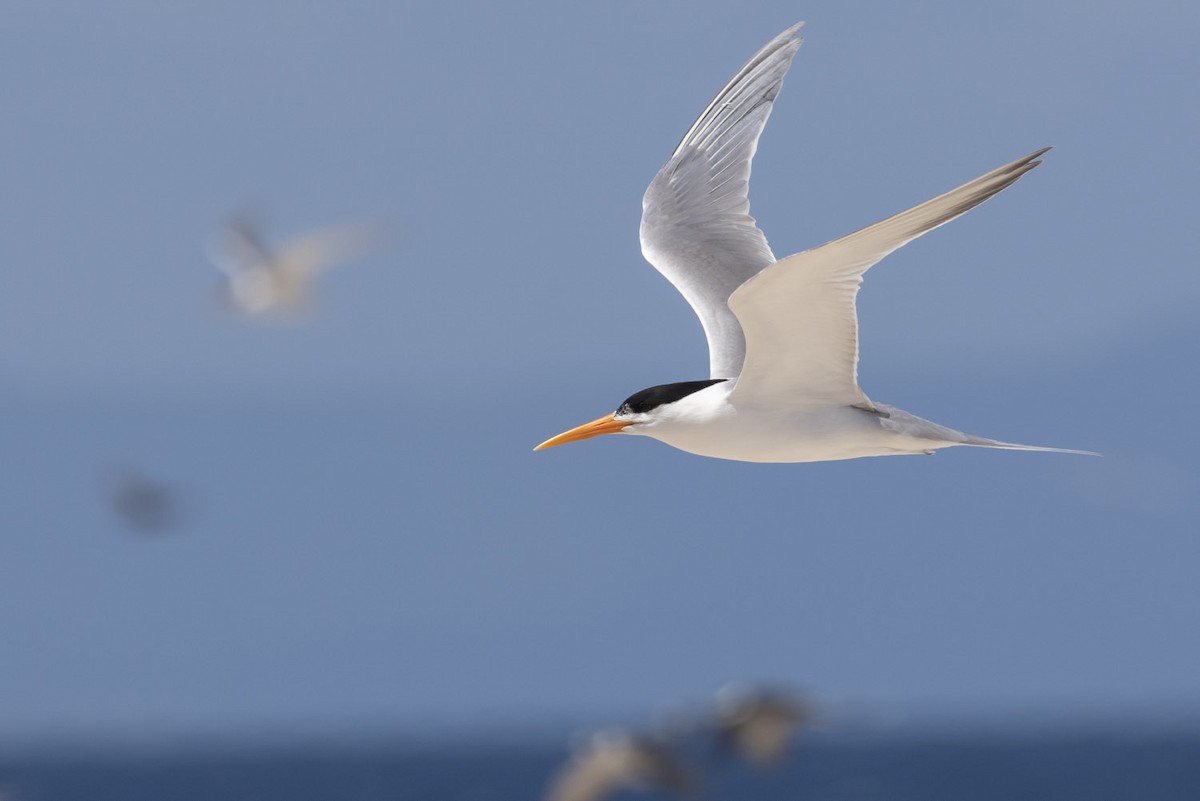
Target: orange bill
pixel 605 425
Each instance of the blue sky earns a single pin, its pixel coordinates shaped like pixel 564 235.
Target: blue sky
pixel 370 540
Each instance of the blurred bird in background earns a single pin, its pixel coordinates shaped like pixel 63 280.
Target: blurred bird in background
pixel 755 724
pixel 759 724
pixel 611 761
pixel 145 504
pixel 262 279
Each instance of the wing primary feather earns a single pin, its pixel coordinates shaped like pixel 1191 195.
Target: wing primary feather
pixel 798 314
pixel 764 60
pixel 966 197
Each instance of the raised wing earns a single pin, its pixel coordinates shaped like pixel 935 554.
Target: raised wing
pixel 798 314
pixel 696 224
pixel 308 254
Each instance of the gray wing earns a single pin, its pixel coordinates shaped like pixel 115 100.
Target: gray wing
pixel 303 257
pixel 696 224
pixel 799 313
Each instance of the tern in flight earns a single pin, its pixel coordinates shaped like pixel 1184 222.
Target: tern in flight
pixel 782 334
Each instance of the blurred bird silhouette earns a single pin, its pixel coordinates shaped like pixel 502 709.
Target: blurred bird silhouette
pixel 262 279
pixel 758 724
pixel 613 761
pixel 145 504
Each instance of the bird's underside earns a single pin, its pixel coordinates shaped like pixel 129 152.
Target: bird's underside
pixel 708 423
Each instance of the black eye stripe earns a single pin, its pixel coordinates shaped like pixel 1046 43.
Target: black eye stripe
pixel 647 399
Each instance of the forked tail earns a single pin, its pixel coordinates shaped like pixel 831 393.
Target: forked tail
pixel 903 422
pixel 984 442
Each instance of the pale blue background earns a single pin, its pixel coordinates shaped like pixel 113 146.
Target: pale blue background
pixel 370 541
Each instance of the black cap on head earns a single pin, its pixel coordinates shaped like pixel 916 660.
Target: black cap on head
pixel 652 398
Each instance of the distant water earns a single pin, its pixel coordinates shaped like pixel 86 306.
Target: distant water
pixel 928 768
